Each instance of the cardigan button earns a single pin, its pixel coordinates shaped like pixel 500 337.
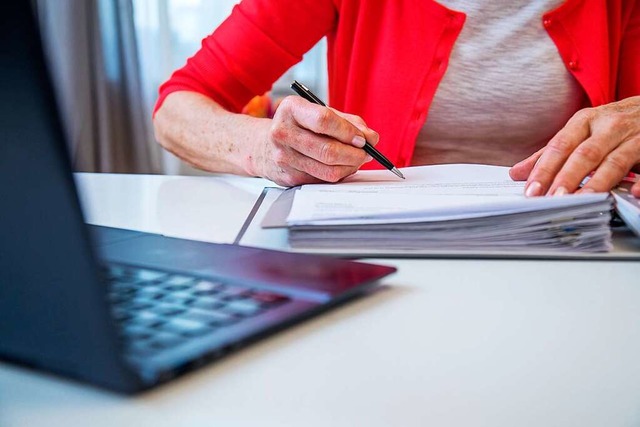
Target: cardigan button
pixel 574 65
pixel 546 22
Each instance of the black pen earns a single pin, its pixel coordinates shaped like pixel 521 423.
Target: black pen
pixel 304 92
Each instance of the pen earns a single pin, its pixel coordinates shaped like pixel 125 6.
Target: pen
pixel 304 92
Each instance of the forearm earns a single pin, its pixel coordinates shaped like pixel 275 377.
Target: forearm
pixel 199 131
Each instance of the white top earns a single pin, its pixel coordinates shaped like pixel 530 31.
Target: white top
pixel 506 91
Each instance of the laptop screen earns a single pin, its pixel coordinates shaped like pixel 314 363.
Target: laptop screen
pixel 53 311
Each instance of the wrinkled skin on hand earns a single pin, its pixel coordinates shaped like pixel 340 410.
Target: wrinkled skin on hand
pixel 309 143
pixel 604 140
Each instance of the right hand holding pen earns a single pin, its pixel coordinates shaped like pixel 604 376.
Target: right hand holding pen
pixel 309 143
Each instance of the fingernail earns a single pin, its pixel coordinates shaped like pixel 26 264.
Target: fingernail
pixel 560 191
pixel 534 189
pixel 586 190
pixel 368 158
pixel 358 141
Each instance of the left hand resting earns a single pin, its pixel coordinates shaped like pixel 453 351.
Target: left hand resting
pixel 605 140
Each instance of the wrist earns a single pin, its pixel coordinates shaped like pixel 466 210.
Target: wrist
pixel 253 146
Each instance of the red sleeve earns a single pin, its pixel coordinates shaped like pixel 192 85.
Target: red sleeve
pixel 251 49
pixel 629 74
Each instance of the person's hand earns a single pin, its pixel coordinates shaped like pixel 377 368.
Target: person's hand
pixel 605 140
pixel 309 143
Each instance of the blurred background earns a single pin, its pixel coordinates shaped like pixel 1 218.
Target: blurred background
pixel 108 58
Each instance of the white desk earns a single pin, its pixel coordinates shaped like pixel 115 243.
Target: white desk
pixel 447 343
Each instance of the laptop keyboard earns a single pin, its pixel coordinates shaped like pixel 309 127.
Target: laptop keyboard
pixel 158 310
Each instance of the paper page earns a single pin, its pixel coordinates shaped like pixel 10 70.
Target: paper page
pixel 366 208
pixel 448 192
pixel 458 179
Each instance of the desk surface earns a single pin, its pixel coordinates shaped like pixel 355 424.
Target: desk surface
pixel 443 343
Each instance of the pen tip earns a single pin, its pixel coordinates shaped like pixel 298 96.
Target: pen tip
pixel 398 173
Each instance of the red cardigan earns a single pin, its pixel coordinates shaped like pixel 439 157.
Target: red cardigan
pixel 387 57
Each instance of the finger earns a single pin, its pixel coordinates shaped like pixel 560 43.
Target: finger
pixel 322 120
pixel 370 135
pixel 290 177
pixel 586 158
pixel 613 168
pixel 556 152
pixel 607 134
pixel 283 173
pixel 521 170
pixel 319 170
pixel 635 190
pixel 324 149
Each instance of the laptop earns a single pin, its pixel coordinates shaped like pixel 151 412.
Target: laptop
pixel 121 309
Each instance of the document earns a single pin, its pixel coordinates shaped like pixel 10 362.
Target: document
pixel 445 206
pixel 436 193
pixel 627 206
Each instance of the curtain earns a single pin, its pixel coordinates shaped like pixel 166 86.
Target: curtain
pixel 108 58
pixel 93 55
pixel 170 31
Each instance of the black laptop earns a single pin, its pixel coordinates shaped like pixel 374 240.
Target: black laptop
pixel 122 309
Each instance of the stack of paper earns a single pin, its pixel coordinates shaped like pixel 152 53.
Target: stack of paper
pixel 445 207
pixel 627 206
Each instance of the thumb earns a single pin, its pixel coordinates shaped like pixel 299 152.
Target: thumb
pixel 521 170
